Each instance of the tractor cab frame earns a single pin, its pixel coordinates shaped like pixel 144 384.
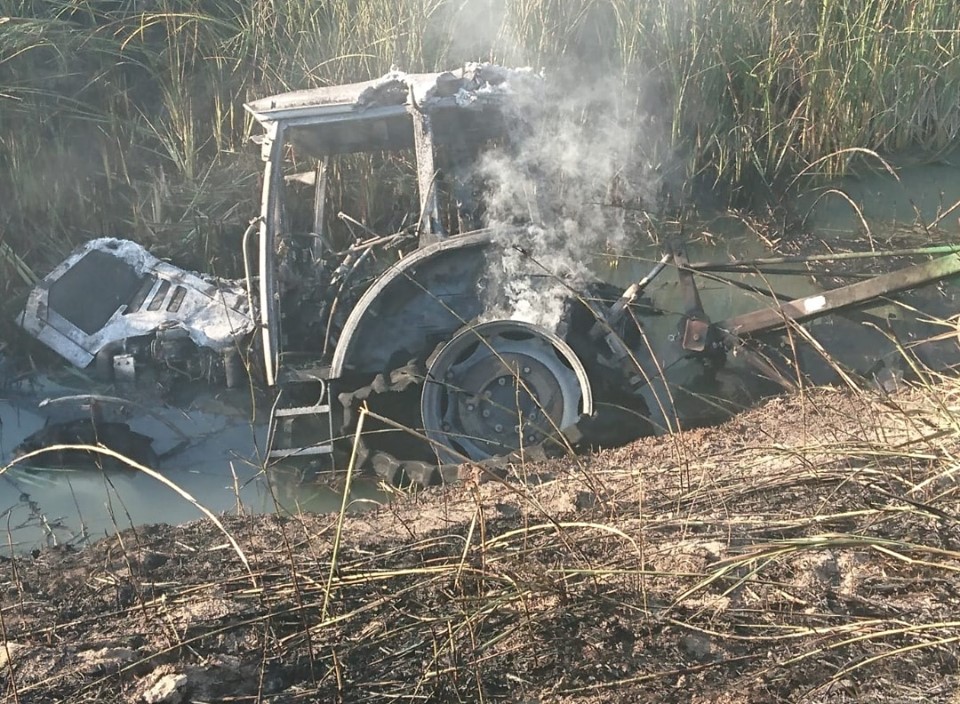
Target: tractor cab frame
pixel 393 319
pixel 456 110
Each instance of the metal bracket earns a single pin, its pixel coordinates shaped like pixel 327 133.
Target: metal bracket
pixel 694 334
pixel 695 326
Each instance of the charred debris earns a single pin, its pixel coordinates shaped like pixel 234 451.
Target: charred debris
pixel 409 324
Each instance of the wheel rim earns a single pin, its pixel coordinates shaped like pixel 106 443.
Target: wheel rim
pixel 501 386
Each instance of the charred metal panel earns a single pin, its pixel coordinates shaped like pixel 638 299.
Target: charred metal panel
pixel 271 229
pixel 430 228
pixel 475 102
pixel 110 290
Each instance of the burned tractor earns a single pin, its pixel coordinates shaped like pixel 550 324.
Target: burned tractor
pixel 419 342
pixel 406 326
pixel 449 373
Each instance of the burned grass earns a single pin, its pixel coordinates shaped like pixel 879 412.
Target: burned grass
pixel 807 550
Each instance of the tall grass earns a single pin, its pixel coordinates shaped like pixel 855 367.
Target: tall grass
pixel 126 117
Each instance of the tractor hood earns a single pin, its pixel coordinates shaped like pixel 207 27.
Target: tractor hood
pixel 110 290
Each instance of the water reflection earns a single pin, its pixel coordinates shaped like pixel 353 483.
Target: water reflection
pixel 220 468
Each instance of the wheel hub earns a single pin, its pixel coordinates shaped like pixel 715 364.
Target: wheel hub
pixel 500 386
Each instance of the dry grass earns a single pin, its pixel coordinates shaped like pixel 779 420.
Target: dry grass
pixel 804 551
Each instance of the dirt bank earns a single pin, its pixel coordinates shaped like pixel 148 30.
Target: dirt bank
pixel 808 550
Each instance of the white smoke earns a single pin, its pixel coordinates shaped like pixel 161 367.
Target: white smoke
pixel 580 174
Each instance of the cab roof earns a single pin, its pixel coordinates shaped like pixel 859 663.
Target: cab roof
pixel 473 102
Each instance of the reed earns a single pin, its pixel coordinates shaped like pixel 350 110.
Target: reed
pixel 126 118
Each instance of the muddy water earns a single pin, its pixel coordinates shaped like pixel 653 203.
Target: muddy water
pixel 919 205
pixel 219 466
pixel 917 197
pixel 222 468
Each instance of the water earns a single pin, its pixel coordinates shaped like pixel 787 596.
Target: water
pixel 221 468
pixel 916 197
pixel 917 316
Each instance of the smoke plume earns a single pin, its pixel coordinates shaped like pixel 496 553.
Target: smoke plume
pixel 581 171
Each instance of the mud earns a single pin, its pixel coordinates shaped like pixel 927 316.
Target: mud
pixel 807 550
